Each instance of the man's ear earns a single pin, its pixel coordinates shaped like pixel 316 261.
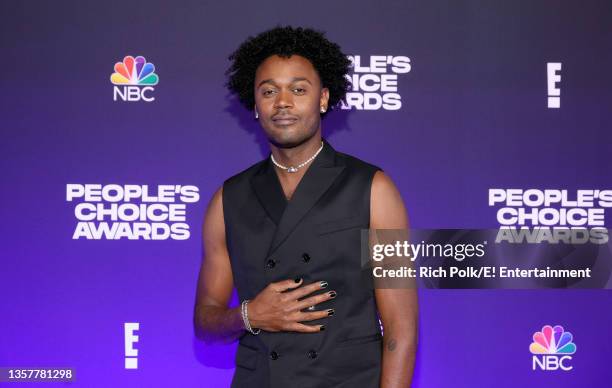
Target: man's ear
pixel 324 101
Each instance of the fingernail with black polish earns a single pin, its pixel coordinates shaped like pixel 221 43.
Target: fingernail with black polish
pixel 330 312
pixel 323 284
pixel 322 328
pixel 298 279
pixel 332 294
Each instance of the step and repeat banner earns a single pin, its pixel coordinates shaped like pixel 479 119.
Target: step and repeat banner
pixel 117 129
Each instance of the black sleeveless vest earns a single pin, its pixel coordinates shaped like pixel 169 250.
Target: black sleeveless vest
pixel 317 236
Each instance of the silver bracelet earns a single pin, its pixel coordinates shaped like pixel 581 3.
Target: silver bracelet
pixel 245 317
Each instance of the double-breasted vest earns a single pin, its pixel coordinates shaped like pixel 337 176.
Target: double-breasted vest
pixel 317 236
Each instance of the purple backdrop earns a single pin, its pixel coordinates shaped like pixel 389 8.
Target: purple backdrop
pixel 473 116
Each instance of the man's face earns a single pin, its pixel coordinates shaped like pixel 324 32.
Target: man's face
pixel 288 98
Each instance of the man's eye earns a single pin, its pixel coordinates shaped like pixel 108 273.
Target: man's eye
pixel 267 92
pixel 300 90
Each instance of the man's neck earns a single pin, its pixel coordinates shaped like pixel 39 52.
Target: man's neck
pixel 296 155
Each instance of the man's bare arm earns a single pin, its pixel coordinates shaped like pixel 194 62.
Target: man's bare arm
pixel 397 307
pixel 213 320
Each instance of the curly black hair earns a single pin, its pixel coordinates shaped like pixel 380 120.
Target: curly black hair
pixel 326 57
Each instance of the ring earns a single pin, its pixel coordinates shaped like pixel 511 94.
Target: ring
pixel 311 308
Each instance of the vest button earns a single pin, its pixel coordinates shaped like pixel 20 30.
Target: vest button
pixel 274 355
pixel 305 257
pixel 270 264
pixel 312 354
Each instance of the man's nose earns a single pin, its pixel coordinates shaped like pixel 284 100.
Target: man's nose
pixel 284 99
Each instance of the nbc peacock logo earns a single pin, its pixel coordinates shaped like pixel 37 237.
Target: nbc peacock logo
pixel 134 79
pixel 552 348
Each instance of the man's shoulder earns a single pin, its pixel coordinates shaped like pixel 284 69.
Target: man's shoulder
pixel 355 163
pixel 244 175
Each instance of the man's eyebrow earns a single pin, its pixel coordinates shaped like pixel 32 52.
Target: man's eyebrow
pixel 294 79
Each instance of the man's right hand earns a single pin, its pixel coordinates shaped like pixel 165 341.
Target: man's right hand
pixel 277 309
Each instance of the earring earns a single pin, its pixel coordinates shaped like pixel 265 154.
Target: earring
pixel 256 115
pixel 323 110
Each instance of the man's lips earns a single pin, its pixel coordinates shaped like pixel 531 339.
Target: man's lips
pixel 284 119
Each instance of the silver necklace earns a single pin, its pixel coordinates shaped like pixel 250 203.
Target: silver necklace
pixel 292 168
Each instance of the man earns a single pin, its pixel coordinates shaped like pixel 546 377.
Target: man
pixel 286 233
